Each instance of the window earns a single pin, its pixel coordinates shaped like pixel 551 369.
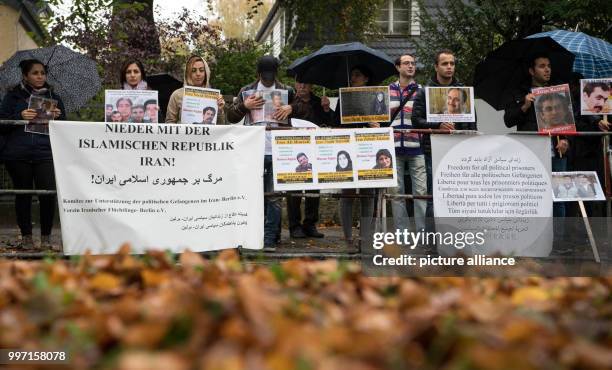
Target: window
pixel 394 17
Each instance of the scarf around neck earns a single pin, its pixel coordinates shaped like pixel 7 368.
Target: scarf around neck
pixel 45 90
pixel 142 85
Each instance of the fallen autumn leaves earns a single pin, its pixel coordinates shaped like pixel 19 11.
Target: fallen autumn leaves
pixel 128 312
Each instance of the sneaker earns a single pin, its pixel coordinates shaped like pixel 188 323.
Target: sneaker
pixel 297 233
pixel 312 232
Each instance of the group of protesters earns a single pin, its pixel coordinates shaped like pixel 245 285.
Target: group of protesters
pixel 28 159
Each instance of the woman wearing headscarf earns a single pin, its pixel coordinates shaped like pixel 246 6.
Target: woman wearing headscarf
pixel 197 73
pixel 27 155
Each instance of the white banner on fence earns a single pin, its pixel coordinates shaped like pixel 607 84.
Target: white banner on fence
pixel 501 184
pixel 333 159
pixel 158 186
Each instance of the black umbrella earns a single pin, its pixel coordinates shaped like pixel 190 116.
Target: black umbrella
pixel 500 73
pixel 165 84
pixel 330 65
pixel 73 76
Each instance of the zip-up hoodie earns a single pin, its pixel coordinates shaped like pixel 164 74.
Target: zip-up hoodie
pixel 173 113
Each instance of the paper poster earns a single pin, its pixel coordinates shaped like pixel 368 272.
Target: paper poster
pixel 273 99
pixel 450 104
pixel 163 186
pixel 553 107
pixel 364 104
pixel 333 159
pixel 133 106
pixel 44 108
pixel 375 157
pixel 595 96
pixel 575 186
pixel 200 105
pixel 335 152
pixel 293 165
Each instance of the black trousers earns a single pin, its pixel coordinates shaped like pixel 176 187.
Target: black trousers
pixel 29 175
pixel 311 211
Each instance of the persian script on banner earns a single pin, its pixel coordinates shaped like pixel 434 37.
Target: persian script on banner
pixel 158 186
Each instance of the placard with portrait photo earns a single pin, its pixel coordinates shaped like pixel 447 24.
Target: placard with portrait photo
pixel 200 105
pixel 595 96
pixel 450 104
pixel 553 109
pixel 575 186
pixel 132 106
pixel 364 104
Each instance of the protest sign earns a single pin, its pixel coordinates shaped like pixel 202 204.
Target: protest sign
pixel 44 108
pixel 200 105
pixel 553 107
pixel 273 99
pixel 133 106
pixel 575 186
pixel 333 159
pixel 292 165
pixel 158 186
pixel 595 96
pixel 499 185
pixel 364 104
pixel 450 104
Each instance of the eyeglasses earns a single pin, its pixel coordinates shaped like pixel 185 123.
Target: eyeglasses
pixel 408 63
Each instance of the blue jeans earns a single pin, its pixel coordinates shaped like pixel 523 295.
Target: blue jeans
pixel 272 206
pixel 415 165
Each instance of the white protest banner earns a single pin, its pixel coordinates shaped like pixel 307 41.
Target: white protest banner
pixel 158 186
pixel 450 104
pixel 497 184
pixel 595 96
pixel 200 105
pixel 333 159
pixel 134 106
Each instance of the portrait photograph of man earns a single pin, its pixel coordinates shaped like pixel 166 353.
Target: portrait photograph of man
pixel 595 96
pixel 450 104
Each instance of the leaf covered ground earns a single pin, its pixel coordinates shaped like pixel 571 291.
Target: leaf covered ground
pixel 155 312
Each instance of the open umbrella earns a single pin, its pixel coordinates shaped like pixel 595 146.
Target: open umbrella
pixel 593 55
pixel 505 68
pixel 330 65
pixel 73 76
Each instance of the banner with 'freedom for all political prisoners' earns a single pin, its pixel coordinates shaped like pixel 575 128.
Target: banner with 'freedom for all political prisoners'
pixel 158 186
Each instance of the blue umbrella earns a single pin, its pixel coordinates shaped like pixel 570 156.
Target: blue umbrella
pixel 593 55
pixel 330 65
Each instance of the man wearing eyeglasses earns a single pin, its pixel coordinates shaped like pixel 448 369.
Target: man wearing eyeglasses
pixel 553 110
pixel 408 152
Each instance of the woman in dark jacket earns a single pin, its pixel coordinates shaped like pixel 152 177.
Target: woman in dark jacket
pixel 27 155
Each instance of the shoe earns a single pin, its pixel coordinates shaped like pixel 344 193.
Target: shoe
pixel 269 246
pixel 297 233
pixel 45 243
pixel 26 242
pixel 312 232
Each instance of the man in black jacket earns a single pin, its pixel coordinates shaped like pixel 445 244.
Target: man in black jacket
pixel 309 107
pixel 520 112
pixel 445 76
pixel 267 71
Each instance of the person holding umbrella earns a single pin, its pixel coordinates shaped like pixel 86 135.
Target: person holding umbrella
pixel 360 76
pixel 520 112
pixel 197 73
pixel 27 155
pixel 444 64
